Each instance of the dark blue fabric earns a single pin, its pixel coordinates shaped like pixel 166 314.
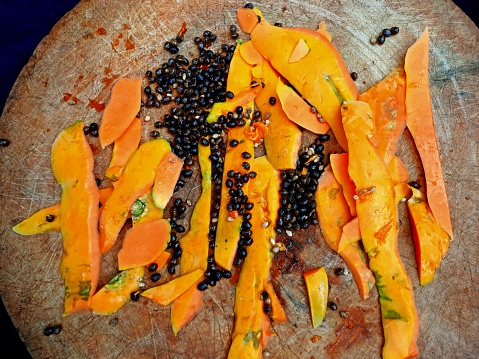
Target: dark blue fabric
pixel 23 25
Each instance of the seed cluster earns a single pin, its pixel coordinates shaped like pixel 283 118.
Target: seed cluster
pixel 381 39
pixel 298 187
pixel 267 308
pixel 177 212
pixel 91 130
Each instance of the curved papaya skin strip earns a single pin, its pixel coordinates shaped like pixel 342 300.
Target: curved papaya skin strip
pixel 298 110
pixel 80 261
pixel 339 165
pixel 239 76
pixel 398 170
pixel 228 232
pixel 123 148
pixel 431 242
pixel 351 234
pixel 321 77
pixel 167 174
pixel 277 311
pixel 37 223
pixel 117 292
pixel 378 220
pixel 333 214
pixel 137 179
pixel 387 101
pixel 251 327
pixel 195 246
pixel 281 129
pixel 420 122
pixel 143 243
pixel 316 281
pixel 250 54
pixel 324 31
pixel 121 110
pixel 166 293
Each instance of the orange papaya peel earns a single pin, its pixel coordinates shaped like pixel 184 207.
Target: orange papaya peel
pixel 137 179
pixel 167 174
pixel 195 246
pixel 351 234
pixel 78 213
pixel 121 110
pixel 123 148
pixel 298 110
pixel 164 294
pixel 387 101
pixel 251 327
pixel 143 243
pixel 378 221
pixel 339 165
pixel 280 129
pixel 431 242
pixel 420 122
pixel 333 214
pixel 117 292
pixel 317 288
pixel 321 77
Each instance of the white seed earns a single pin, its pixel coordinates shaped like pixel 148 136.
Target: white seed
pixel 289 233
pixel 266 122
pixel 230 219
pixel 256 144
pixel 310 151
pixel 188 202
pixel 275 250
pixel 159 97
pixel 183 77
pixel 267 301
pixel 171 159
pixel 215 135
pixel 272 241
pixel 372 189
pixel 403 199
pixel 265 224
pixel 71 102
pixel 214 220
pixel 355 197
pixel 147 118
pixel 141 285
pixel 266 354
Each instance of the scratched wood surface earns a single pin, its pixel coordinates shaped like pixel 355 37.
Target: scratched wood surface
pixel 70 76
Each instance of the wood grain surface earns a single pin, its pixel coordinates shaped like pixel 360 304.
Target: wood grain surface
pixel 71 74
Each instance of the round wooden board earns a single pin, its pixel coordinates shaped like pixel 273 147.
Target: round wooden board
pixel 102 40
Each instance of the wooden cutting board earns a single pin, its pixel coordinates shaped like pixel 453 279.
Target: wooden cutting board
pixel 70 76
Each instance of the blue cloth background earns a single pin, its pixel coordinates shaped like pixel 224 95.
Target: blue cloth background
pixel 23 25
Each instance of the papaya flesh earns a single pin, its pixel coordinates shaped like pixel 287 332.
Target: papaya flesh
pixel 333 214
pixel 317 287
pixel 251 328
pixel 321 76
pixel 195 246
pixel 123 148
pixel 281 129
pixel 37 223
pixel 137 179
pixel 121 110
pixel 431 242
pixel 387 101
pixel 117 291
pixel 166 293
pixel 378 221
pixel 167 174
pixel 80 261
pixel 420 122
pixel 143 243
